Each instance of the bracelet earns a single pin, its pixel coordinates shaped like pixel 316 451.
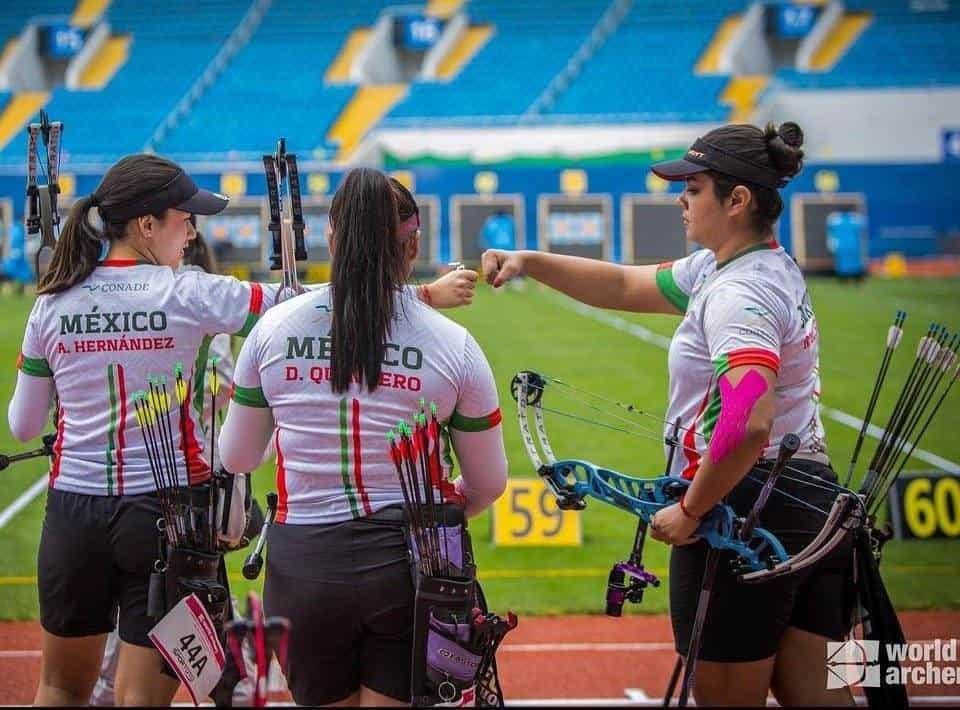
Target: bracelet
pixel 425 295
pixel 683 509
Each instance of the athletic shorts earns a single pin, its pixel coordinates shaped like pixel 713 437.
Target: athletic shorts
pixel 96 554
pixel 348 593
pixel 745 622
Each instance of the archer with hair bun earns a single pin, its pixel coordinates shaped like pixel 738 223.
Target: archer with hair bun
pixel 744 373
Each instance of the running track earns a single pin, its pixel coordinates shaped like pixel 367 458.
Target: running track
pixel 571 659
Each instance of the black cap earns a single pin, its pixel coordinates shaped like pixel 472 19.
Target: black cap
pixel 180 193
pixel 704 156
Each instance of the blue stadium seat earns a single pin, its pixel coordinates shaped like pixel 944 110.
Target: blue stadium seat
pixel 274 86
pixel 529 46
pixel 170 49
pixel 899 48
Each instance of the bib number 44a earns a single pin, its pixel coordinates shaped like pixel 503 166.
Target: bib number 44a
pixel 188 642
pixel 195 655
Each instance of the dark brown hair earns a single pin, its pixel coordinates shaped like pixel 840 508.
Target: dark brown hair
pixel 775 148
pixel 78 248
pixel 197 252
pixel 366 271
pixel 406 204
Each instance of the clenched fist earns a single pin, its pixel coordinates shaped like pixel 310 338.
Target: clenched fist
pixel 453 289
pixel 501 266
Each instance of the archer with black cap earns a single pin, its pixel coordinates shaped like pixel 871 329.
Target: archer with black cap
pixel 111 313
pixel 744 373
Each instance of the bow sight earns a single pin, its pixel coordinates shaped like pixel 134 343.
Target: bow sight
pixel 42 214
pixel 286 218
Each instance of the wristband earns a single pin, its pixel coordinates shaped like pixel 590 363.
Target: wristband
pixel 425 295
pixel 683 509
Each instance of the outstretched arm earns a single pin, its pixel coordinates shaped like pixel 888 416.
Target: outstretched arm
pixel 591 281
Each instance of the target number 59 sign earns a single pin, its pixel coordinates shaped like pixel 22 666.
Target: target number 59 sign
pixel 527 514
pixel 926 506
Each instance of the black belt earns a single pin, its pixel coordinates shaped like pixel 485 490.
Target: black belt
pixel 448 515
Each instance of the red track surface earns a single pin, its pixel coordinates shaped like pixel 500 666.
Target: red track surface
pixel 544 658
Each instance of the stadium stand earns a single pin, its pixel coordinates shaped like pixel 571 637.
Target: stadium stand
pixel 507 74
pixel 292 76
pixel 662 39
pixel 914 47
pixel 278 80
pixel 120 117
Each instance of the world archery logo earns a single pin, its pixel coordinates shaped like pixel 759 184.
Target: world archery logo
pixel 853 662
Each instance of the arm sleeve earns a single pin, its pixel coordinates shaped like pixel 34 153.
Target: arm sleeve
pixel 676 279
pixel 744 325
pixel 228 305
pixel 477 433
pixel 30 404
pixel 249 423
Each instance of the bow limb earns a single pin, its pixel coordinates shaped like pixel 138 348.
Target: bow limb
pixel 846 514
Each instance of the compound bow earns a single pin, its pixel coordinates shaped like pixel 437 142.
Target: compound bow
pixel 758 554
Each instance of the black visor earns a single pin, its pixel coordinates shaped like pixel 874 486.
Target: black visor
pixel 181 193
pixel 704 156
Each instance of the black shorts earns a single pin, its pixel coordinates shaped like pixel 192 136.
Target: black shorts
pixel 746 621
pixel 348 593
pixel 96 555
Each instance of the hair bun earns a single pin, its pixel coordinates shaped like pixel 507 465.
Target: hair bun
pixel 791 134
pixel 783 146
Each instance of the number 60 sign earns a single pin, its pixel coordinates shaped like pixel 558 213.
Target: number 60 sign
pixel 527 514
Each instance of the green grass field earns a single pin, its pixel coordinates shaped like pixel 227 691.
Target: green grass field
pixel 533 329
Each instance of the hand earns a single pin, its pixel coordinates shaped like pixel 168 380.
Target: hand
pixel 501 266
pixel 672 526
pixel 455 288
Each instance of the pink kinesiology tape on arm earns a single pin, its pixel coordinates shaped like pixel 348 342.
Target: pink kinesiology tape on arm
pixel 736 404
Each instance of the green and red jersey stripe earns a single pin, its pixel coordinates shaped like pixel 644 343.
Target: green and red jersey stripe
pixel 357 461
pixel 669 289
pixel 690 442
pixel 345 460
pixel 198 470
pixel 747 356
pixel 282 498
pixel 116 388
pixel 35 366
pixel 57 447
pixel 470 424
pixel 255 308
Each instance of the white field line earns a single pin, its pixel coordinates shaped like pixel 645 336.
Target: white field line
pixel 581 647
pixel 663 342
pixel 23 500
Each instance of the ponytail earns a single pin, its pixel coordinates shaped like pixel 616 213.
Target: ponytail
pixel 77 251
pixel 367 271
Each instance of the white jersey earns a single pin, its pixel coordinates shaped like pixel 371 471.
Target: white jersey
pixel 333 457
pixel 751 310
pixel 103 338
